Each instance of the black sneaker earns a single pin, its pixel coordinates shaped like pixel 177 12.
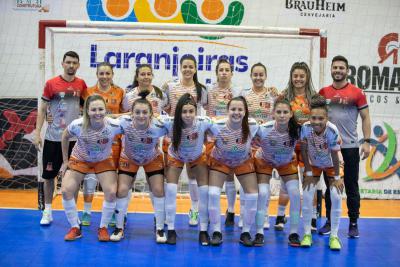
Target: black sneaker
pixel 171 237
pixel 353 230
pixel 258 240
pixel 229 218
pixel 313 225
pixel 204 238
pixel 294 240
pixel 245 239
pixel 280 223
pixel 326 229
pixel 216 239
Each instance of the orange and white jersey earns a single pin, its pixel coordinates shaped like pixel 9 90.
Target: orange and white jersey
pixel 276 148
pixel 141 146
pixel 158 104
pixel 218 100
pixel 192 138
pixel 175 90
pixel 320 146
pixel 113 97
pixel 229 147
pixel 93 145
pixel 260 105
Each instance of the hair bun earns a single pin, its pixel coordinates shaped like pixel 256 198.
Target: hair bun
pixel 144 94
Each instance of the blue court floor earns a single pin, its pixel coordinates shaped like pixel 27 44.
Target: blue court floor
pixel 25 243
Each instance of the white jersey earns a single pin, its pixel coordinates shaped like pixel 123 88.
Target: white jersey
pixel 158 104
pixel 192 139
pixel 276 148
pixel 93 145
pixel 320 146
pixel 229 147
pixel 141 146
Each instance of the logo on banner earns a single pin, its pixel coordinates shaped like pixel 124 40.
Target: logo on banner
pixel 34 5
pixel 166 11
pixel 390 165
pixel 316 8
pixel 389 47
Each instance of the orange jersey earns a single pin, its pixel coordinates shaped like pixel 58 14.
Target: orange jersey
pixel 113 97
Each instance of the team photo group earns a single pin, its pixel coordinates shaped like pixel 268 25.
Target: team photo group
pixel 105 133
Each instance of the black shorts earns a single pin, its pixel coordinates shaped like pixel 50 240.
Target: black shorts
pixel 52 158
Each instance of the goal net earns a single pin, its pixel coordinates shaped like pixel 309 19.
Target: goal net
pixel 125 45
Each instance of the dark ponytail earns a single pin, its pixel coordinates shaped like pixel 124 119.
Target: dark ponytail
pixel 245 121
pixel 186 99
pixel 199 86
pixel 135 83
pixel 293 125
pixel 143 100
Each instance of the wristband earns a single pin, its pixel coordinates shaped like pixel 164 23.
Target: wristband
pixel 309 173
pixel 367 140
pixel 337 177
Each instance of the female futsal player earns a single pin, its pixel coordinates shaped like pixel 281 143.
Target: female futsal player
pixel 187 133
pixel 320 147
pixel 277 141
pixel 91 154
pixel 140 148
pixel 232 154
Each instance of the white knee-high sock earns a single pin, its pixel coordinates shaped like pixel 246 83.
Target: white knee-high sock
pixel 294 196
pixel 194 194
pixel 71 212
pixel 106 213
pixel 129 200
pixel 203 207
pixel 336 210
pixel 250 209
pixel 121 207
pixel 230 191
pixel 170 205
pixel 308 196
pixel 159 211
pixel 242 202
pixel 214 208
pixel 262 206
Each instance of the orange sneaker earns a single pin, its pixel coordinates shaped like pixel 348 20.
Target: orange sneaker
pixel 73 233
pixel 102 234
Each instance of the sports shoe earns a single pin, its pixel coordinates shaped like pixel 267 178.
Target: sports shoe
pixel 216 239
pixel 229 218
pixel 193 217
pixel 245 239
pixel 266 222
pixel 171 239
pixel 280 223
pixel 113 221
pixel 47 218
pixel 204 238
pixel 102 234
pixel 353 230
pixel 313 225
pixel 86 219
pixel 117 235
pixel 326 229
pixel 334 243
pixel 73 234
pixel 240 222
pixel 294 240
pixel 161 238
pixel 306 242
pixel 258 240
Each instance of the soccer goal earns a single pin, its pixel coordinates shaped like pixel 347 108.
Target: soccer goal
pixel 162 45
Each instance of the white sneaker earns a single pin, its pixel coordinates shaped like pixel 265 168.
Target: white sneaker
pixel 47 218
pixel 240 222
pixel 161 238
pixel 117 235
pixel 266 222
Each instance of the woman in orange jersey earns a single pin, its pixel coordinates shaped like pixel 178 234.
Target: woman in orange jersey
pixel 188 83
pixel 219 94
pixel 299 91
pixel 91 154
pixel 113 96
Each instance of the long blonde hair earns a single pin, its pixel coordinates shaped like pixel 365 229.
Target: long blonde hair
pixel 85 115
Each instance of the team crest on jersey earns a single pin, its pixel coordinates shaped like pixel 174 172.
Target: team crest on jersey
pixel 192 136
pixel 103 141
pixel 146 140
pixel 239 140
